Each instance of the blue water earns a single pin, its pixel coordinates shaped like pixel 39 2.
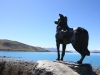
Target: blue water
pixel 93 59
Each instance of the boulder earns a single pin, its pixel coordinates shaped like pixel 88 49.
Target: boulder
pixel 46 67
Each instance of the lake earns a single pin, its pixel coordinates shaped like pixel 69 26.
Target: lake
pixel 93 59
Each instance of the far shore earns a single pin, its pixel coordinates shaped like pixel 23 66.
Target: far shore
pixel 21 50
pixel 38 51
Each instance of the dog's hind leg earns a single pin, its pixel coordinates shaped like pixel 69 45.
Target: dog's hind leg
pixel 81 60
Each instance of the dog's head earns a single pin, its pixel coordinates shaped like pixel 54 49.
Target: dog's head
pixel 60 20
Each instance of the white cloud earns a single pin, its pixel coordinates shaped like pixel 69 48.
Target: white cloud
pixel 98 49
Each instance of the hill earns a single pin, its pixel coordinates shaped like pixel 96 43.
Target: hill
pixel 8 45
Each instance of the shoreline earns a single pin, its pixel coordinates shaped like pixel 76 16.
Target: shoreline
pixel 39 51
pixel 9 57
pixel 21 50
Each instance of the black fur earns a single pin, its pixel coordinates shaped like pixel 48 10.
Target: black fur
pixel 78 37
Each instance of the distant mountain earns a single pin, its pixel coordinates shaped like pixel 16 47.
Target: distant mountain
pixel 95 51
pixel 8 45
pixel 53 49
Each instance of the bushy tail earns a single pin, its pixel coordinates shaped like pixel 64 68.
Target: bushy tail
pixel 88 52
pixel 86 38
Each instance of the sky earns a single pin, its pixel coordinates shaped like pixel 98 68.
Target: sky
pixel 32 21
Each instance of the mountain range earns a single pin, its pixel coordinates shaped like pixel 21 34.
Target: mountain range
pixel 9 45
pixel 55 49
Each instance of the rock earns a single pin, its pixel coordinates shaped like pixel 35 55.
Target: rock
pixel 79 68
pixel 45 67
pixel 82 69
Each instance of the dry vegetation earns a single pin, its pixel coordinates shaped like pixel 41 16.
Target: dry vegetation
pixel 15 67
pixel 96 70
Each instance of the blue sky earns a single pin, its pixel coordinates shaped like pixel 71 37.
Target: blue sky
pixel 32 21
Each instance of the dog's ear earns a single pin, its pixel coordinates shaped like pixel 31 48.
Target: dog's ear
pixel 66 18
pixel 56 22
pixel 61 16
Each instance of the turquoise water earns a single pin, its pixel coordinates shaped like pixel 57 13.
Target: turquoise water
pixel 93 59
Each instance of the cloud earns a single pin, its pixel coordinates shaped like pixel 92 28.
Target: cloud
pixel 98 49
